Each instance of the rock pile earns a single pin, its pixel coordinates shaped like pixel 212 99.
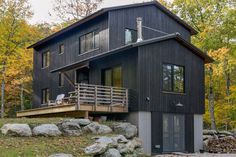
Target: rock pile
pixel 219 141
pixel 115 146
pixel 70 127
pixel 125 143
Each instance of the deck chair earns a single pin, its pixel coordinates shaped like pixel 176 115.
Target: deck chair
pixel 58 101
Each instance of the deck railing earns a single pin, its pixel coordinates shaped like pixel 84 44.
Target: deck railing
pixel 100 95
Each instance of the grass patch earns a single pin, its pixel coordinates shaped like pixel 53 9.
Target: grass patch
pixel 41 146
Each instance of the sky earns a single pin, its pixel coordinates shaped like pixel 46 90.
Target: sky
pixel 42 8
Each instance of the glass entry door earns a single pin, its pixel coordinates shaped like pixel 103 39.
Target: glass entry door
pixel 82 76
pixel 112 77
pixel 173 133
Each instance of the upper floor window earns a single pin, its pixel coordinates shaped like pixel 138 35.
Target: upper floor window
pixel 89 42
pixel 45 96
pixel 173 78
pixel 61 48
pixel 61 79
pixel 130 36
pixel 45 59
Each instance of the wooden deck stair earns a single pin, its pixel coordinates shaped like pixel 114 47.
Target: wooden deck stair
pixel 86 98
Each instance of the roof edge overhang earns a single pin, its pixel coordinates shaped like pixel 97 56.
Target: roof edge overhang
pixel 105 10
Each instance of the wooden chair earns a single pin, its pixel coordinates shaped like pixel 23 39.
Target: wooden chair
pixel 58 101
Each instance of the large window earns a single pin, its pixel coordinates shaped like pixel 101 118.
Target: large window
pixel 89 42
pixel 61 79
pixel 173 78
pixel 45 96
pixel 130 36
pixel 45 59
pixel 112 76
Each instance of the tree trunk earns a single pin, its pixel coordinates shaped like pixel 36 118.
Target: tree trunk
pixel 22 97
pixel 3 90
pixel 211 100
pixel 228 87
pixel 211 109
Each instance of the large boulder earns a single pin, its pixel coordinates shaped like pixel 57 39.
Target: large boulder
pixel 70 128
pixel 96 149
pixel 112 152
pixel 81 122
pixel 130 147
pixel 46 130
pixel 61 155
pixel 16 130
pixel 126 129
pixel 120 139
pixel 96 128
pixel 107 140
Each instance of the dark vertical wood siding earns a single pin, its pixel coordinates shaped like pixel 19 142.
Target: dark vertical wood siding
pixel 152 17
pixel 150 60
pixel 128 61
pixel 42 78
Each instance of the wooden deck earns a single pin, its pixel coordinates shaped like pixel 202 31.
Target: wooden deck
pixel 86 98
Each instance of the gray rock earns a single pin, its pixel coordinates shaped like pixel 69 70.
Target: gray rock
pixel 227 133
pixel 47 130
pixel 127 148
pixel 61 155
pixel 112 153
pixel 136 142
pixel 205 145
pixel 81 122
pixel 126 129
pixel 96 128
pixel 207 137
pixel 120 139
pixel 16 130
pixel 209 132
pixel 70 128
pixel 139 151
pixel 96 149
pixel 107 140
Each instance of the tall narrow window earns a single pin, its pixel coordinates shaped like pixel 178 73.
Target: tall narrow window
pixel 45 59
pixel 89 42
pixel 61 79
pixel 112 77
pixel 173 78
pixel 61 48
pixel 45 96
pixel 130 36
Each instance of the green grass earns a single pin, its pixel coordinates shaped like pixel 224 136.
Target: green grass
pixel 41 146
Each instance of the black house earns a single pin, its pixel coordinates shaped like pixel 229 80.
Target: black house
pixel 134 61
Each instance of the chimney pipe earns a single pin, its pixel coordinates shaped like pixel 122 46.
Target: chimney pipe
pixel 139 29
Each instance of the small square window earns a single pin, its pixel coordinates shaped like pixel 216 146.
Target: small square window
pixel 61 48
pixel 130 36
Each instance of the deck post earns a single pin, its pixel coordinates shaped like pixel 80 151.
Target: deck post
pixel 126 98
pixel 78 96
pixel 95 99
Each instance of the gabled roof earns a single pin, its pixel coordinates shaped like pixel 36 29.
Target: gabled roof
pixel 105 10
pixel 175 36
